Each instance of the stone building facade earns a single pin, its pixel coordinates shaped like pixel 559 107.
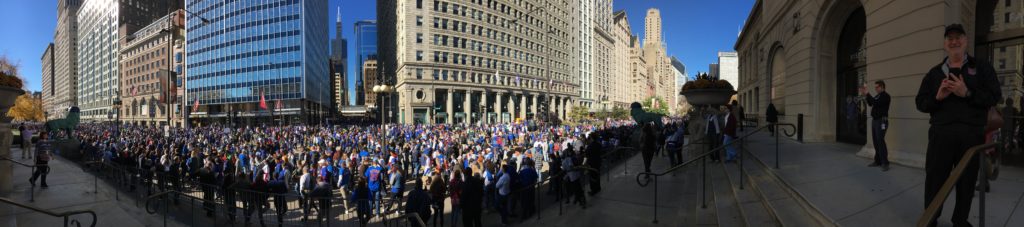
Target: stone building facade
pixel 808 58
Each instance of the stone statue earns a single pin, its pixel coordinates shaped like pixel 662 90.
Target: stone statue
pixel 68 124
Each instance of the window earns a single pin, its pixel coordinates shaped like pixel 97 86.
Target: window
pixel 1006 17
pixel 419 74
pixel 419 55
pixel 419 4
pixel 419 37
pixel 1002 63
pixel 1002 50
pixel 1007 2
pixel 419 20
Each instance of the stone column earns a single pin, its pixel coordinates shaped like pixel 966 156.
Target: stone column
pixel 522 106
pixel 483 106
pixel 466 107
pixel 559 106
pixel 534 106
pixel 497 107
pixel 449 105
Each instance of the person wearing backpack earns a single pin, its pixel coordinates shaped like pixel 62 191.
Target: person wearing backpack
pixel 42 161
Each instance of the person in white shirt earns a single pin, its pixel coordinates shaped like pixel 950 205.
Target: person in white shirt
pixel 503 191
pixel 306 184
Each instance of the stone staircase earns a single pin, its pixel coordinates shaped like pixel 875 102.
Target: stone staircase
pixel 680 200
pixel 763 200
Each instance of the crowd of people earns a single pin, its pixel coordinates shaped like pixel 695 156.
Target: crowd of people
pixel 469 168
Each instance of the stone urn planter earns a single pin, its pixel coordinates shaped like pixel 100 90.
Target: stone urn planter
pixel 708 96
pixel 7 97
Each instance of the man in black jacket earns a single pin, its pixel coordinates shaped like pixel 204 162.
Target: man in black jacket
pixel 472 198
pixel 418 202
pixel 879 122
pixel 957 95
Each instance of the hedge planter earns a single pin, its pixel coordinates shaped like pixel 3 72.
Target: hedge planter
pixel 708 96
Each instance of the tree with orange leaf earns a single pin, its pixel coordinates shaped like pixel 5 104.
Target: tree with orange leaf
pixel 27 108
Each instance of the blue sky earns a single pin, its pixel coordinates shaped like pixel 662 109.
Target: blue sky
pixel 694 30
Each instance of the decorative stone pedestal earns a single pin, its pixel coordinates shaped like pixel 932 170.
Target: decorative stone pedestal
pixel 6 168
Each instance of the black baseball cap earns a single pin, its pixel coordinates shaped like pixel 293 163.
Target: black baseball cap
pixel 954 28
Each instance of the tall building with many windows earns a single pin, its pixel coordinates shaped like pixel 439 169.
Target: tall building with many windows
pixel 366 49
pixel 270 50
pixel 586 48
pixel 601 55
pixel 99 32
pixel 65 60
pixel 148 73
pixel 622 90
pixel 339 65
pixel 480 60
pixel 48 93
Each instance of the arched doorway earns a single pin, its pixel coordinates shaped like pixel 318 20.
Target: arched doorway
pixel 851 117
pixel 777 79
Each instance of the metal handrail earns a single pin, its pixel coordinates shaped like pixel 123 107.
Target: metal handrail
pixel 947 187
pixel 702 157
pixel 694 160
pixel 415 216
pixel 31 191
pixel 718 149
pixel 20 163
pixel 65 215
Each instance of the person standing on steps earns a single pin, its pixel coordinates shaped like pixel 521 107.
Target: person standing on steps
pixel 642 118
pixel 729 135
pixel 879 122
pixel 771 115
pixel 957 94
pixel 43 156
pixel 713 131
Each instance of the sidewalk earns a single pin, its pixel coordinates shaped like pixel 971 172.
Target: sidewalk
pixel 70 189
pixel 838 182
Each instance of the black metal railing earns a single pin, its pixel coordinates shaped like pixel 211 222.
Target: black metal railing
pixel 32 189
pixel 644 178
pixel 68 221
pixel 947 186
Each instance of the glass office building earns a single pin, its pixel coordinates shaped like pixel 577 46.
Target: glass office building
pixel 274 49
pixel 366 48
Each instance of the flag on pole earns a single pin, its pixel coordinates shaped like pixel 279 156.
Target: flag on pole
pixel 277 105
pixel 497 77
pixel 195 106
pixel 263 101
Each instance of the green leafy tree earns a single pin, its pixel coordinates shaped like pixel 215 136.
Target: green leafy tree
pixel 660 108
pixel 579 113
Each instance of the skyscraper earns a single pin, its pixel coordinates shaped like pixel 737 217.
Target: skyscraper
pixel 258 50
pixel 65 60
pixel 366 48
pixel 585 45
pixel 652 27
pixel 339 64
pixel 728 68
pixel 102 25
pixel 601 56
pixel 48 79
